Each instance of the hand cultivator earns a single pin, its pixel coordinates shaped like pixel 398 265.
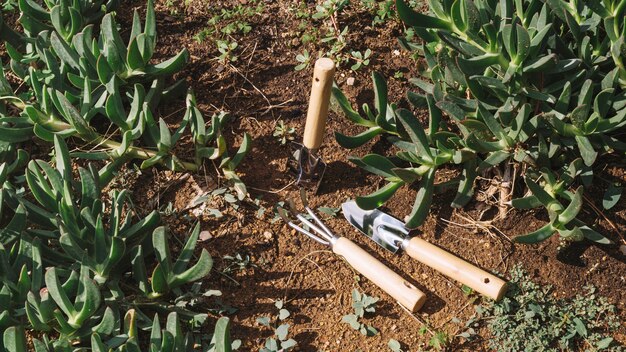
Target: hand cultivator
pixel 404 292
pixel 306 164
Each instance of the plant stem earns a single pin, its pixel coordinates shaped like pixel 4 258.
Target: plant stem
pixel 56 125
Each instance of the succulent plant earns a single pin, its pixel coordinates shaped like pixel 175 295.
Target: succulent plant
pixel 382 122
pixel 64 16
pixel 77 79
pixel 167 276
pixel 55 215
pixel 537 83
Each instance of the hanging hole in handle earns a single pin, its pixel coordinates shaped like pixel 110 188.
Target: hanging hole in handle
pixel 486 280
pixel 408 284
pixel 317 79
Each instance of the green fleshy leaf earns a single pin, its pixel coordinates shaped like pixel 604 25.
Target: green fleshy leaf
pixel 416 19
pixel 466 185
pixel 586 150
pixel 573 208
pixel 537 236
pixel 378 198
pixel 416 132
pixel 169 67
pixel 351 142
pixel 611 196
pixel 423 199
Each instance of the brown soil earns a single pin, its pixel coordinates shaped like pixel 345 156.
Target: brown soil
pixel 261 88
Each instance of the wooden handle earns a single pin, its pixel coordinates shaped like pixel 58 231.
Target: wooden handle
pixel 398 288
pixel 318 103
pixel 456 268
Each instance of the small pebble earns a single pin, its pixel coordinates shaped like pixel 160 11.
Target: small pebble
pixel 396 52
pixel 350 81
pixel 268 235
pixel 205 235
pixel 622 248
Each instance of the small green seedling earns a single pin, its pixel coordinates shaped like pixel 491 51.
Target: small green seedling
pixel 284 133
pixel 362 59
pixel 362 304
pixel 304 60
pixel 394 346
pixel 226 49
pixel 280 341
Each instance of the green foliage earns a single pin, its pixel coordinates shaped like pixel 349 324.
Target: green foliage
pixel 89 250
pixel 611 196
pixel 87 76
pixel 531 318
pixel 508 82
pixel 382 10
pixel 361 59
pixel 304 60
pixel 322 27
pixel 394 345
pixel 66 17
pixel 362 304
pixel 227 23
pixel 280 341
pixel 283 133
pixel 83 81
pixel 439 340
pixel 9 5
pixel 167 275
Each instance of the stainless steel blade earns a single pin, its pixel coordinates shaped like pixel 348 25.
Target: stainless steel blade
pixel 382 228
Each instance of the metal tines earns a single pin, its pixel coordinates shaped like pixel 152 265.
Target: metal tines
pixel 317 225
pixel 306 166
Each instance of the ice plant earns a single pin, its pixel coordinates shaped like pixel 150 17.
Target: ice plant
pixel 89 75
pixel 508 82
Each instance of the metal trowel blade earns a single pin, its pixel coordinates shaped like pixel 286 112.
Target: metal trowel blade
pixel 382 228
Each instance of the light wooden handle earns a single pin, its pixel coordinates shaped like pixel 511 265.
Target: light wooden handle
pixel 456 268
pixel 318 103
pixel 398 288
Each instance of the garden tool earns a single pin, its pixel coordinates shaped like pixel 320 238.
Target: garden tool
pixel 307 165
pixel 404 292
pixel 392 235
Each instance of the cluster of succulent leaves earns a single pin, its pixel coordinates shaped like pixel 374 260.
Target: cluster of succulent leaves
pixel 80 269
pixel 540 84
pixel 74 269
pixel 81 79
pixel 531 318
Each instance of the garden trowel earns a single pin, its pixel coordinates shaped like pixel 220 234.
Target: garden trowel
pixel 306 164
pixel 392 235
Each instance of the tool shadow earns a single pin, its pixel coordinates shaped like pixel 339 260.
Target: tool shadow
pixel 339 176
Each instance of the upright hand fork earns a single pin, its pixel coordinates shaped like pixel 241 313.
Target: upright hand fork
pixel 401 290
